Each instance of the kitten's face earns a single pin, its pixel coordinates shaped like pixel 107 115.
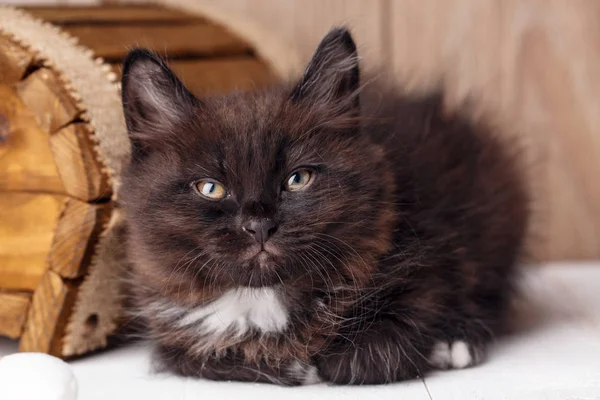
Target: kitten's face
pixel 253 189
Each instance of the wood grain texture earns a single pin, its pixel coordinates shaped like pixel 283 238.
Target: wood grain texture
pixel 45 96
pixel 26 162
pixel 95 317
pixel 220 75
pixel 77 231
pixel 200 40
pixel 78 164
pixel 13 312
pixel 109 14
pixel 50 307
pixel 14 61
pixel 26 235
pixel 302 24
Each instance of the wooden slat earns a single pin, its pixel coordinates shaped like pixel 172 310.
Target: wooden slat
pixel 39 232
pixel 51 305
pixel 14 61
pixel 44 94
pixel 13 313
pixel 112 13
pixel 26 162
pixel 113 42
pixel 78 227
pixel 220 76
pixel 77 163
pixel 26 232
pixel 217 76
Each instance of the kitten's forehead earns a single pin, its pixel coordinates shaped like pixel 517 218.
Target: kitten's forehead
pixel 247 125
pixel 248 111
pixel 244 136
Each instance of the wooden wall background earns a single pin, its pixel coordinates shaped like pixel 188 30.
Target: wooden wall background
pixel 533 64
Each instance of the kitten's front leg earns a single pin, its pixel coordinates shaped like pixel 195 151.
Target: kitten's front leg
pixel 392 349
pixel 385 351
pixel 229 367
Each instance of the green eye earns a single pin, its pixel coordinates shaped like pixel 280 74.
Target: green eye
pixel 299 180
pixel 211 189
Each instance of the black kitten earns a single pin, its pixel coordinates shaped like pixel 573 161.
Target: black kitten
pixel 321 231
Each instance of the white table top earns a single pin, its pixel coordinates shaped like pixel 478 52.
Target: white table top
pixel 555 356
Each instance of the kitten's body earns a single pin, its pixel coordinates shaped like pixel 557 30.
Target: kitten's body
pixel 397 258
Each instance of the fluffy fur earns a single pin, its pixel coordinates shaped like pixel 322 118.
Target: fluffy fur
pixel 398 256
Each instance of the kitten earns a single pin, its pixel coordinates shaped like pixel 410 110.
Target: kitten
pixel 316 232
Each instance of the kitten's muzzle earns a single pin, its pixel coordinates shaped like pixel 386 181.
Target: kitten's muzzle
pixel 260 229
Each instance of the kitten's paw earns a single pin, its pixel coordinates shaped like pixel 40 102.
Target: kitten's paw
pixel 304 373
pixel 455 355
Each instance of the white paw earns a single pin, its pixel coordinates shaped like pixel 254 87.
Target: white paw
pixel 460 355
pixel 306 374
pixel 457 355
pixel 440 355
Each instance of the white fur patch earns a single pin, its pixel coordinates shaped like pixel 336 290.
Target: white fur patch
pixel 306 374
pixel 239 310
pixel 460 354
pixel 456 356
pixel 440 355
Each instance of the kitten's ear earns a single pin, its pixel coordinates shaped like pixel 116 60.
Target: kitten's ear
pixel 332 75
pixel 154 99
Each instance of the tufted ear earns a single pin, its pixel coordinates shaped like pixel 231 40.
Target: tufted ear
pixel 332 76
pixel 154 99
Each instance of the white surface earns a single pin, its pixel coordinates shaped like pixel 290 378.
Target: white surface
pixel 35 376
pixel 554 356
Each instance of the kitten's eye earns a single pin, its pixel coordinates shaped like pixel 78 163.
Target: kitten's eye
pixel 211 189
pixel 299 180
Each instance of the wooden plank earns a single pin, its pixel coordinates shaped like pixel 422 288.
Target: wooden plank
pixel 45 95
pixel 50 308
pixel 26 234
pixel 303 23
pixel 13 312
pixel 77 163
pixel 113 42
pixel 14 61
pixel 77 231
pixel 26 162
pixel 112 13
pixel 220 76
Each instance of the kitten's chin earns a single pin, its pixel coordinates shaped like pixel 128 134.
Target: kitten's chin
pixel 261 281
pixel 261 271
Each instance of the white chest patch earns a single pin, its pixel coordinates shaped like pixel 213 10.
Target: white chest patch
pixel 239 310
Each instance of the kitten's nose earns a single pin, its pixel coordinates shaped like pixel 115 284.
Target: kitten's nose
pixel 261 229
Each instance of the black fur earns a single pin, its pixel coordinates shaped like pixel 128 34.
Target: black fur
pixel 408 235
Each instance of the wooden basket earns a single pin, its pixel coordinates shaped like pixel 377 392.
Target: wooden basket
pixel 61 151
